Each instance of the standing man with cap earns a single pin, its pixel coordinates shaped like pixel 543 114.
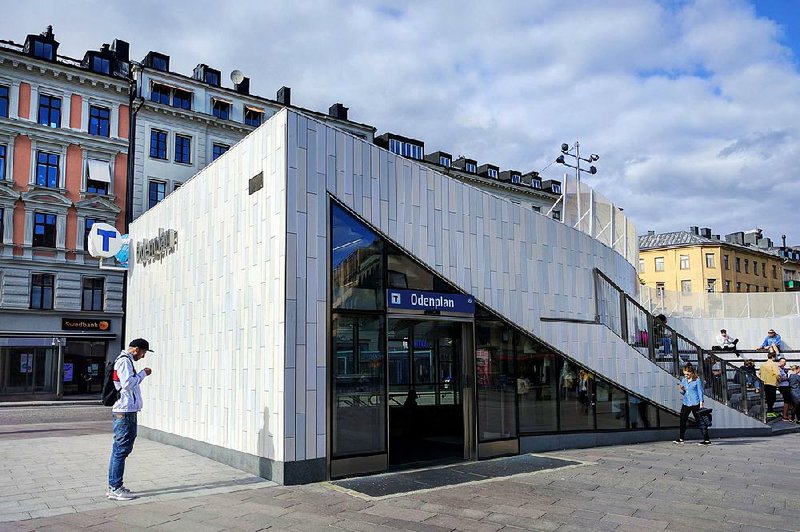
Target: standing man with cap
pixel 123 414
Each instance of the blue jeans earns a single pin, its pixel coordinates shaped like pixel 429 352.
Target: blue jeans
pixel 124 435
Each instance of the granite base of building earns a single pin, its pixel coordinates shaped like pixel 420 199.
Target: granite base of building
pixel 555 442
pixel 286 473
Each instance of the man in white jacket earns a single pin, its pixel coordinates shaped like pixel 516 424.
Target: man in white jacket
pixel 123 414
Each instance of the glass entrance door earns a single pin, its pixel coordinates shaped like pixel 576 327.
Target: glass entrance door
pixel 426 418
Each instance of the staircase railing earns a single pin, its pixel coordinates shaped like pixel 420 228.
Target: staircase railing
pixel 661 344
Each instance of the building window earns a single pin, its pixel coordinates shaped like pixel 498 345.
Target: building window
pixel 43 50
pixel 47 169
pixel 725 263
pixel 176 186
pixel 738 264
pixel 96 187
pixel 3 101
pixel 557 215
pixel 471 168
pixel 755 268
pixel 536 208
pixel 160 93
pixel 763 269
pixel 99 120
pixel 182 99
pixel 44 230
pixel 536 184
pixel 221 109
pixel 641 265
pixel 727 286
pixel 212 78
pixel 491 172
pixel 748 287
pixel 158 189
pixel 516 179
pixel 159 63
pixel 158 144
pixel 42 285
pixel 747 266
pixel 710 260
pixel 2 162
pixel 2 228
pixel 93 293
pixel 774 268
pixel 253 117
pixel 101 65
pixel 98 177
pixel 49 111
pixel 556 188
pixel 711 285
pixel 87 227
pixel 757 288
pixel 395 146
pixel 444 161
pixel 686 287
pixel 217 150
pixel 660 289
pixel 183 149
pixel 766 289
pixel 659 264
pixel 684 262
pixel 738 287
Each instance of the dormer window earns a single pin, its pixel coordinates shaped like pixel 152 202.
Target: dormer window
pixel 253 117
pixel 444 161
pixel 221 109
pixel 471 168
pixel 491 172
pixel 101 65
pixel 43 50
pixel 535 183
pixel 556 189
pixel 212 78
pixel 516 179
pixel 160 63
pixel 395 146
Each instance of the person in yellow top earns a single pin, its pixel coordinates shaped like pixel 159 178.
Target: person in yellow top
pixel 768 373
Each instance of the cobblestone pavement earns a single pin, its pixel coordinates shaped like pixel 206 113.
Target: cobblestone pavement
pixel 734 485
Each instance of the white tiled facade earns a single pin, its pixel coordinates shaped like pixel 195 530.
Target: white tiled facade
pixel 238 314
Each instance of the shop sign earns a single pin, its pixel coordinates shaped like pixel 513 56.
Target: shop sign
pixel 155 249
pixel 104 240
pixel 430 301
pixel 70 324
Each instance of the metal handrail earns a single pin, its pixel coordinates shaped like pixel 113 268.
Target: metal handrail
pixel 669 350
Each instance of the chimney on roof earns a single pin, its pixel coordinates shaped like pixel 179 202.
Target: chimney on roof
pixel 694 230
pixel 121 50
pixel 284 96
pixel 651 233
pixel 715 237
pixel 705 232
pixel 735 238
pixel 49 32
pixel 783 241
pixel 338 110
pixel 243 87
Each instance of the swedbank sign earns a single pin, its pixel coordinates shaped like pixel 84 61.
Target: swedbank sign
pixel 155 249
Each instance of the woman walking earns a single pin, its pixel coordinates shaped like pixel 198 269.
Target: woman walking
pixel 692 390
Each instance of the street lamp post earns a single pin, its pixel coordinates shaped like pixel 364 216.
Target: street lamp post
pixel 566 150
pixel 59 342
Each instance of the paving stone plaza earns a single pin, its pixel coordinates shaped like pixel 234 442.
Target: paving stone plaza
pixel 54 479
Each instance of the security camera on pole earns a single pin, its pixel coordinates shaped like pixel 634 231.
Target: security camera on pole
pixel 567 151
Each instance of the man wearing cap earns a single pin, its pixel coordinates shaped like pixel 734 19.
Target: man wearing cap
pixel 772 343
pixel 123 414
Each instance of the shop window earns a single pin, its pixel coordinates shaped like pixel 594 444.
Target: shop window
pixel 537 390
pixel 99 121
pixel 93 288
pixel 576 390
pixel 642 415
pixel 359 386
pixel 44 230
pixel 357 254
pixel 49 111
pixel 611 406
pixel 495 381
pixel 42 288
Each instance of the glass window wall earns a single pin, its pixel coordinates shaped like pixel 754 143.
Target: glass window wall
pixel 577 400
pixel 536 387
pixel 611 406
pixel 495 381
pixel 357 264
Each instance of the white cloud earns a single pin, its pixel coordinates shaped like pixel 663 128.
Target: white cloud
pixel 692 106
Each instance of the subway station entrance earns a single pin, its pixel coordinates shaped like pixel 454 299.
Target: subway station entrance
pixel 429 398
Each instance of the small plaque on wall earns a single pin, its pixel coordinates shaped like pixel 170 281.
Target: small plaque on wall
pixel 256 183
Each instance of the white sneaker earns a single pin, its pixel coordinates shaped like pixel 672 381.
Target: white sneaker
pixel 677 441
pixel 120 494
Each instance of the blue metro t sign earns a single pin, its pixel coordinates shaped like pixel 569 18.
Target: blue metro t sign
pixel 429 301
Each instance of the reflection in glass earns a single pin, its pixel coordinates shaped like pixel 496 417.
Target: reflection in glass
pixel 536 387
pixel 403 272
pixel 495 381
pixel 359 412
pixel 611 406
pixel 641 413
pixel 576 387
pixel 357 254
pixel 668 419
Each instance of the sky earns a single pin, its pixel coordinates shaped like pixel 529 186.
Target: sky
pixel 692 106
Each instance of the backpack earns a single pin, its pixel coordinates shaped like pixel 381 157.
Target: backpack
pixel 110 391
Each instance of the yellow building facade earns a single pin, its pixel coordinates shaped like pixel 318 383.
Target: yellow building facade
pixel 693 266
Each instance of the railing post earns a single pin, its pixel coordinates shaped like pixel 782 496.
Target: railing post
pixel 743 384
pixel 723 368
pixel 763 403
pixel 651 338
pixel 675 359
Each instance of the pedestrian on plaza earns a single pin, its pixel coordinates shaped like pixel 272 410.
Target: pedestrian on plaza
pixel 771 343
pixel 769 376
pixel 692 390
pixel 785 389
pixel 794 388
pixel 725 342
pixel 123 414
pixel 750 373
